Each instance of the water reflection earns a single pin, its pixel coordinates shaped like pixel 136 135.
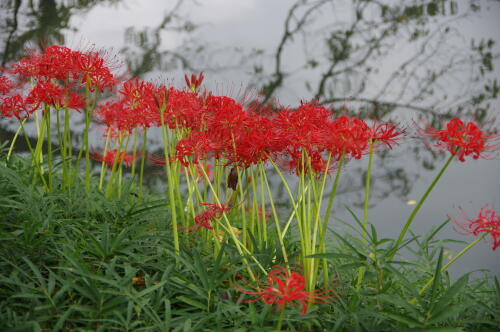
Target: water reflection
pixel 381 59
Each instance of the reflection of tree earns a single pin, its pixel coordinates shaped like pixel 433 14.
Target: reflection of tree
pixel 376 56
pixel 346 55
pixel 144 53
pixel 38 22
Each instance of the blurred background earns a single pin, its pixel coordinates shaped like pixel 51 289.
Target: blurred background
pixel 410 61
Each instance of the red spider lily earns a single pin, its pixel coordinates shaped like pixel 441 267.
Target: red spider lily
pixel 182 109
pixel 111 156
pixel 213 211
pixel 385 133
pixel 487 221
pixel 303 131
pixel 94 70
pixel 195 82
pixel 196 147
pixel 5 85
pixel 62 63
pixel 283 287
pixel 14 106
pixel 52 95
pixel 56 62
pixel 348 136
pixel 463 139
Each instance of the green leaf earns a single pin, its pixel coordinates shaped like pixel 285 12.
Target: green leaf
pixel 151 289
pixel 392 299
pixel 191 302
pixel 437 277
pixel 455 289
pixel 409 321
pixel 449 312
pixel 333 255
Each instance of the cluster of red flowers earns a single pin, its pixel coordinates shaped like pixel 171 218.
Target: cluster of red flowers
pixel 486 222
pixel 113 156
pixel 244 137
pixel 463 139
pixel 213 211
pixel 58 75
pixel 283 287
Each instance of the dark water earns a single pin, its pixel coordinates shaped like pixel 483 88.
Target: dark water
pixel 401 61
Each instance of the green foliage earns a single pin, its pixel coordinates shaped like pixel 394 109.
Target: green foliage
pixel 72 263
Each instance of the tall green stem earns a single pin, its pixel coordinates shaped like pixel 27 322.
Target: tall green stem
pixel 327 216
pixel 49 148
pixel 361 269
pixel 13 141
pixel 418 206
pixel 103 162
pixel 143 160
pixel 280 321
pixel 275 215
pixel 170 179
pixel 453 260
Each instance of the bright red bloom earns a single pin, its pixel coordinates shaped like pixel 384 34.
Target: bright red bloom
pixel 111 156
pixel 195 82
pixel 213 211
pixel 14 106
pixel 62 63
pixel 283 287
pixel 348 136
pixel 5 85
pixel 94 70
pixel 52 95
pixel 385 133
pixel 487 221
pixel 463 139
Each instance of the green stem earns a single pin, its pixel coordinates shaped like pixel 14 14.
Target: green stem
pixel 275 215
pixel 134 151
pixel 170 180
pixel 49 148
pixel 361 269
pixel 21 123
pixel 143 160
pixel 14 141
pixel 280 321
pixel 453 260
pixel 62 148
pixel 68 146
pixel 110 186
pixel 228 228
pixel 103 163
pixel 327 217
pixel 418 206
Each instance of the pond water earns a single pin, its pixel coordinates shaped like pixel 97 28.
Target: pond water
pixel 236 43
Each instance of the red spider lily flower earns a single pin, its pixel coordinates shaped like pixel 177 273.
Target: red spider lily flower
pixel 349 137
pixel 283 287
pixel 463 139
pixel 62 63
pixel 182 109
pixel 196 147
pixel 195 82
pixel 95 71
pixel 385 133
pixel 304 129
pixel 110 157
pixel 487 221
pixel 14 106
pixel 212 212
pixel 5 85
pixel 55 96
